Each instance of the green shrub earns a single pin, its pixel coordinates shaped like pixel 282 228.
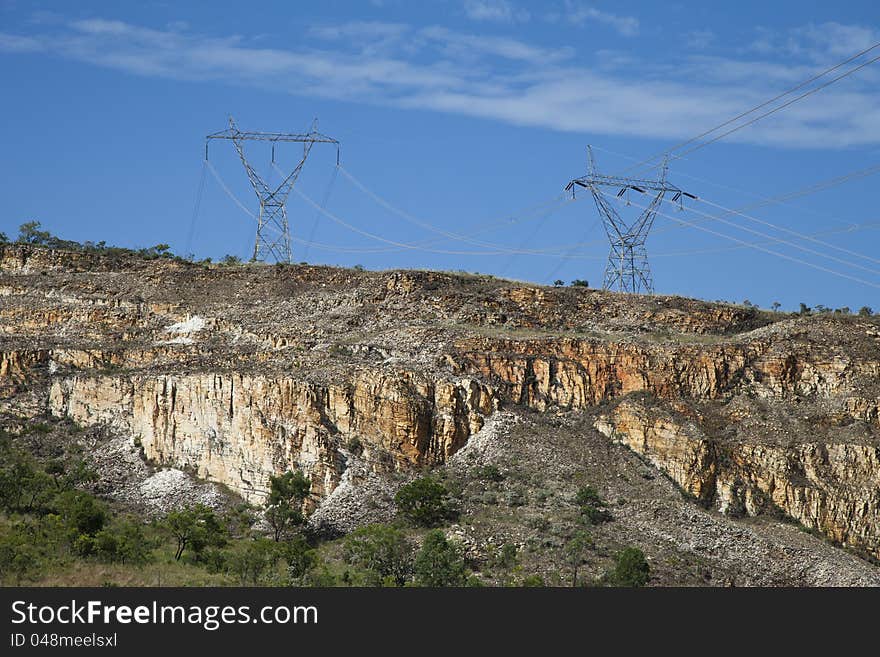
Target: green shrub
pixel 425 502
pixel 592 506
pixel 630 568
pixel 287 493
pixel 383 552
pixel 194 528
pixel 300 558
pixel 440 562
pixel 251 563
pixel 489 473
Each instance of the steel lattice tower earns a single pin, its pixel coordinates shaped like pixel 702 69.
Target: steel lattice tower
pixel 273 230
pixel 627 269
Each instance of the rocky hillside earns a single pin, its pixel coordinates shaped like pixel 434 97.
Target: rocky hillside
pixel 714 431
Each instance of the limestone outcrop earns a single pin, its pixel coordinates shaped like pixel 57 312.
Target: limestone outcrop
pixel 239 373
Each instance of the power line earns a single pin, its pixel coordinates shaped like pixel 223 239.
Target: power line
pixel 785 93
pixel 406 216
pixel 791 232
pixel 776 109
pixel 777 200
pixel 564 257
pixel 192 222
pixel 404 245
pixel 722 249
pixel 756 246
pixel 786 242
pixel 327 191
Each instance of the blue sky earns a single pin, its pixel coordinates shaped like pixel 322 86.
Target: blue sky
pixel 462 114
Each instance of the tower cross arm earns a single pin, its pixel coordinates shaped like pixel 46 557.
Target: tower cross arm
pixel 638 184
pixel 307 137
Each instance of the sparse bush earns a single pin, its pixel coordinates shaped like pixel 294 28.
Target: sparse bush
pixel 382 551
pixel 125 542
pixel 575 553
pixel 258 556
pixel 516 497
pixel 558 282
pixel 507 558
pixel 194 528
pixel 533 581
pixel 865 311
pixel 489 473
pixel 300 558
pixel 425 502
pixel 440 562
pixel 630 568
pixel 230 259
pixel 592 506
pixel 578 282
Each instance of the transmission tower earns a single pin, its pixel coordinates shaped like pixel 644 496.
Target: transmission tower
pixel 627 269
pixel 273 231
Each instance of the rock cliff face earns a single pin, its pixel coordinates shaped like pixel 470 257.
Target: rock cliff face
pixel 832 487
pixel 238 373
pixel 239 429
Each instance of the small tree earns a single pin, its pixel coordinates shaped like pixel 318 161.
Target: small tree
pixel 300 558
pixel 30 233
pixel 775 305
pixel 578 282
pixel 124 542
pixel 865 311
pixel 4 238
pixel 425 502
pixel 804 309
pixel 575 553
pixel 440 562
pixel 257 557
pixel 592 505
pixel 229 259
pixel 383 551
pixel 287 493
pixel 195 528
pixel 82 513
pixel 630 568
pixel 558 282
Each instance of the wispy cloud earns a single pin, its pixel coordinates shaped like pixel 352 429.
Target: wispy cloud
pixel 498 78
pixel 819 42
pixel 460 45
pixel 498 11
pixel 16 43
pixel 580 15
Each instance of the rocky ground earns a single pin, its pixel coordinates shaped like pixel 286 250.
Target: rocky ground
pixel 734 446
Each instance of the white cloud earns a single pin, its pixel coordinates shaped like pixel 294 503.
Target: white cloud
pixel 579 15
pixel 495 78
pixel 359 30
pixel 15 43
pixel 473 45
pixel 499 11
pixel 823 42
